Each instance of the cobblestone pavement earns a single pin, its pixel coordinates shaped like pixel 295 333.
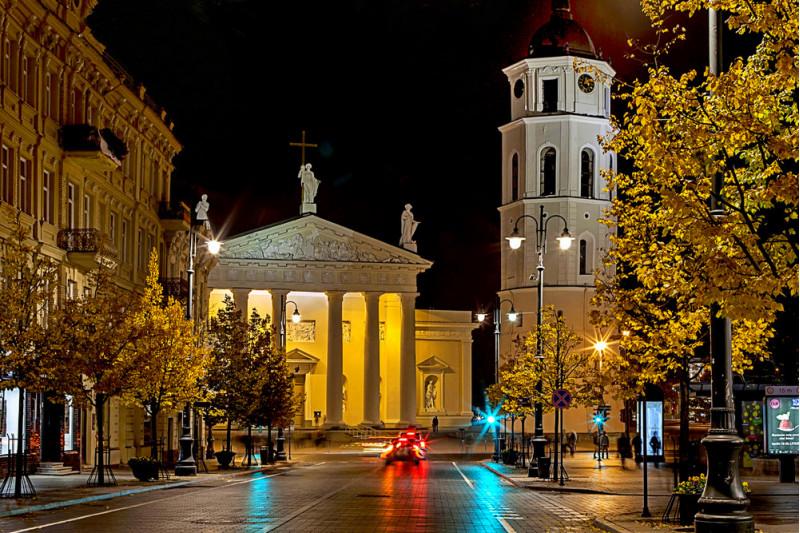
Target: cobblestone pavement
pixel 350 494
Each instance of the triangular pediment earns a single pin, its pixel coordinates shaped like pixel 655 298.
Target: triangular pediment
pixel 311 238
pixel 434 365
pixel 300 362
pixel 299 356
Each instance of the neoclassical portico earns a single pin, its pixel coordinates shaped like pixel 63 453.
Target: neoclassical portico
pixel 356 345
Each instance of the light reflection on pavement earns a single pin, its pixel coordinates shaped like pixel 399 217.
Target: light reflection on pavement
pixel 348 494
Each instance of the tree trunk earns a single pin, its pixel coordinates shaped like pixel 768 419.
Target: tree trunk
pixel 154 432
pixel 100 401
pixel 228 436
pixel 249 449
pixel 20 444
pixel 683 436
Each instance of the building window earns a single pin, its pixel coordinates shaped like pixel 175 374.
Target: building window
pixel 25 202
pixel 582 259
pixel 515 177
pixel 587 173
pixel 586 256
pixel 87 211
pixel 72 289
pixel 549 95
pixel 124 241
pixel 13 75
pixel 47 196
pixel 5 175
pixel 7 61
pixel 29 80
pixel 112 228
pixel 140 249
pixel 71 206
pixel 547 178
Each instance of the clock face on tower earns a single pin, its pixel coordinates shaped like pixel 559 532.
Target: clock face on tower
pixel 586 83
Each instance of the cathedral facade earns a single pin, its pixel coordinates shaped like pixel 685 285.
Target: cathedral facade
pixel 360 352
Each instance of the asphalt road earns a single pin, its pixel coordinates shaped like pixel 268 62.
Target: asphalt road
pixel 338 493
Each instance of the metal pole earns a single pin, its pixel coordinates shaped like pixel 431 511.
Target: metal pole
pixel 645 510
pixel 723 502
pixel 539 441
pixel 186 465
pixel 496 454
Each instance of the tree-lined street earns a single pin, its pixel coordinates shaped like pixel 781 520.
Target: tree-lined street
pixel 351 491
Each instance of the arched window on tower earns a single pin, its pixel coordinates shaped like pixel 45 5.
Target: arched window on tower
pixel 547 169
pixel 585 254
pixel 583 259
pixel 515 177
pixel 587 173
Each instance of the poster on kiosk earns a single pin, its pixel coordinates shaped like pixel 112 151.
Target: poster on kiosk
pixel 781 425
pixel 653 435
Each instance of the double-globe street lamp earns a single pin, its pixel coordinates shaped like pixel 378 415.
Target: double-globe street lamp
pixel 512 317
pixel 515 241
pixel 280 455
pixel 186 465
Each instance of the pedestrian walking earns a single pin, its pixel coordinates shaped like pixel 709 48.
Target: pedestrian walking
pixel 637 448
pixel 572 441
pixel 624 448
pixel 435 424
pixel 604 445
pixel 596 442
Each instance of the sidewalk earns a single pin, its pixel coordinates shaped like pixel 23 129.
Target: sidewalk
pixel 774 505
pixel 60 491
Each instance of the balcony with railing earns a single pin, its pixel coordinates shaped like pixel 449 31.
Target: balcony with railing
pixel 92 147
pixel 178 288
pixel 88 248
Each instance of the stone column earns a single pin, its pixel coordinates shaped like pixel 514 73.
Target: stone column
pixel 408 361
pixel 466 377
pixel 334 364
pixel 240 297
pixel 372 360
pixel 277 295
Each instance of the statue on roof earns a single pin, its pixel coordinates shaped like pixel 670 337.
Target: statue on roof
pixel 407 228
pixel 309 183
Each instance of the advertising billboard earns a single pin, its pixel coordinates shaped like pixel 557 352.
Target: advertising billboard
pixel 781 425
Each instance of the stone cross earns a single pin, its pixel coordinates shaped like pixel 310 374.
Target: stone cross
pixel 303 144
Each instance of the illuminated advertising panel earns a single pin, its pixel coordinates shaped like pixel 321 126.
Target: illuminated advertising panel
pixel 653 434
pixel 781 425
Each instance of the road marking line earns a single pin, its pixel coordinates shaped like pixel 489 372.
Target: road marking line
pixel 67 521
pixel 471 485
pixel 506 525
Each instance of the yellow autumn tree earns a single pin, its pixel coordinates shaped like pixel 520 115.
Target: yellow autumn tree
pixel 28 283
pixel 672 256
pixel 96 337
pixel 173 360
pixel 562 365
pixel 696 140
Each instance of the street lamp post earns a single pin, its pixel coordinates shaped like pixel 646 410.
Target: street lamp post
pixel 723 502
pixel 512 317
pixel 186 465
pixel 515 241
pixel 280 454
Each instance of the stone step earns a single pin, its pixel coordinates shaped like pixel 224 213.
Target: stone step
pixel 54 469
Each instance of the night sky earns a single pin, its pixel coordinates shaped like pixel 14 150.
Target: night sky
pixel 404 99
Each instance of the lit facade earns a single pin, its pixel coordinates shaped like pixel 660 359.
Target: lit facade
pixel 560 98
pixel 86 160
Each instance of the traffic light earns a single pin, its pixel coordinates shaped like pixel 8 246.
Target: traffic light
pixel 601 414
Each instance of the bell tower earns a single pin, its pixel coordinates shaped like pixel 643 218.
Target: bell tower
pixel 560 104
